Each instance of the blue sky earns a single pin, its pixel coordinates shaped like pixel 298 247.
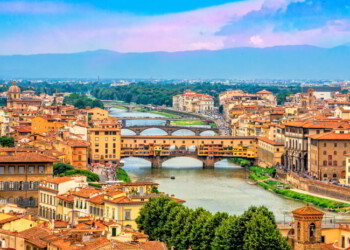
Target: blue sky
pixel 65 26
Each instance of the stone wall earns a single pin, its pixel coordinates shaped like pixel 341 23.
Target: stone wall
pixel 317 187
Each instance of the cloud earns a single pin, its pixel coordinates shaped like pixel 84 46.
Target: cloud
pixel 258 23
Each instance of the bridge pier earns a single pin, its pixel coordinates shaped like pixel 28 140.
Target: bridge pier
pixel 155 162
pixel 209 162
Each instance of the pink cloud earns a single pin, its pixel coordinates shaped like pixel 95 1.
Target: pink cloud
pixel 22 7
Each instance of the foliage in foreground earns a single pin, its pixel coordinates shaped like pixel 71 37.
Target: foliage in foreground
pixel 62 169
pixel 240 161
pixel 181 227
pixel 6 141
pixel 122 175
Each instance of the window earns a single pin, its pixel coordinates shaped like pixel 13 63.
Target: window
pixel 278 149
pixel 298 231
pixel 97 144
pixel 127 214
pixel 325 144
pixel 106 145
pixel 97 139
pixel 324 163
pixel 21 169
pixel 11 170
pixel 335 163
pixel 345 144
pixel 317 131
pixel 30 170
pixel 335 145
pixel 41 169
pixel 335 152
pixel 324 152
pixel 96 150
pixel 334 176
pixel 106 138
pixel 312 232
pixel 344 153
pixel 97 133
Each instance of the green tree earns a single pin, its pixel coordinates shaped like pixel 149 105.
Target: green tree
pixel 262 234
pixel 80 104
pixel 177 227
pixel 155 190
pixel 197 233
pixel 344 91
pixel 228 236
pixel 170 223
pixel 6 141
pixel 153 216
pixel 221 109
pixel 61 168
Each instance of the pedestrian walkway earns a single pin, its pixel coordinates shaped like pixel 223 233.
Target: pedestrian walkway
pixel 319 196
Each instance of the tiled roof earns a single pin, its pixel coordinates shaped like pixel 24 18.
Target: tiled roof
pixel 331 136
pixel 13 218
pixel 34 236
pixel 85 192
pixel 97 199
pixel 26 157
pixel 270 141
pixel 307 211
pixel 59 180
pixel 66 197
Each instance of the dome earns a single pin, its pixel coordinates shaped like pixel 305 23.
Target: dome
pixel 14 88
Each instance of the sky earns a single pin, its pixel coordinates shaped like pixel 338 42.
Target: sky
pixel 66 26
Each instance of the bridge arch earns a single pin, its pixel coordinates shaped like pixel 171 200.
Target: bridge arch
pixel 186 161
pixel 183 132
pixel 153 131
pixel 208 132
pixel 126 131
pixel 131 161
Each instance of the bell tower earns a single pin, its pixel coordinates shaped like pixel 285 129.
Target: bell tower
pixel 307 228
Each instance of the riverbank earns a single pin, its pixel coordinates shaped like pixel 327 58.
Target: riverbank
pixel 169 115
pixel 264 178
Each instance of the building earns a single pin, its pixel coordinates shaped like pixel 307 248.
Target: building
pixel 347 170
pixel 327 153
pixel 15 101
pixel 50 189
pixel 267 95
pixel 45 125
pixel 191 101
pixel 296 140
pixel 20 175
pixel 270 153
pixel 76 152
pixel 105 143
pixel 97 114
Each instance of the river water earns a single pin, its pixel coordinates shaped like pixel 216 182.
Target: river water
pixel 224 188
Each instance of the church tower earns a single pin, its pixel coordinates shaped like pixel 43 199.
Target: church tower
pixel 13 95
pixel 307 228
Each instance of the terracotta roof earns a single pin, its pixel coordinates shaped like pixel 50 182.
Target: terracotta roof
pixel 319 124
pixel 270 141
pixel 66 197
pixel 34 236
pixel 307 211
pixel 85 192
pixel 331 136
pixel 26 157
pixel 97 199
pixel 9 219
pixel 264 92
pixel 124 200
pixel 61 224
pixel 59 180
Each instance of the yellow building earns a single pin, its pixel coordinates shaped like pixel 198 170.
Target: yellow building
pixel 105 142
pixel 97 114
pixel 43 125
pixel 269 152
pixel 16 223
pixel 76 152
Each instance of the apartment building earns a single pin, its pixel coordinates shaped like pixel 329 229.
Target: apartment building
pixel 270 153
pixel 327 154
pixel 191 101
pixel 105 142
pixel 296 140
pixel 50 189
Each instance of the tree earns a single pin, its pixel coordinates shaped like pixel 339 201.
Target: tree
pixel 228 236
pixel 221 109
pixel 177 227
pixel 155 190
pixel 170 222
pixel 197 234
pixel 263 234
pixel 80 104
pixel 153 216
pixel 344 91
pixel 6 141
pixel 209 228
pixel 61 168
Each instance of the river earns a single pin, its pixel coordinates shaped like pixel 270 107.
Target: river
pixel 224 188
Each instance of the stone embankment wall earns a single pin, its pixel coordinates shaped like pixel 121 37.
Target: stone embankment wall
pixel 316 187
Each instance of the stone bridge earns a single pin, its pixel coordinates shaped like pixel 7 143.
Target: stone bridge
pixel 158 160
pixel 171 129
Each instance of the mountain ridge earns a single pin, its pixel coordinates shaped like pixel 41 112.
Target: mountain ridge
pixel 280 62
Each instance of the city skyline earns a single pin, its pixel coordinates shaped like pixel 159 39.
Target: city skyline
pixel 36 27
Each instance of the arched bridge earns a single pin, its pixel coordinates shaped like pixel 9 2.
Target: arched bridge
pixel 171 129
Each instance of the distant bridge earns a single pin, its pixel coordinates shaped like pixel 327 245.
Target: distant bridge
pixel 166 119
pixel 171 129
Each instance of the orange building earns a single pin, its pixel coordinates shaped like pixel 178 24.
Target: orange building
pixel 43 125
